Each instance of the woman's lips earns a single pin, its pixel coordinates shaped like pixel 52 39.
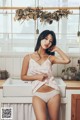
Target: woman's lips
pixel 46 46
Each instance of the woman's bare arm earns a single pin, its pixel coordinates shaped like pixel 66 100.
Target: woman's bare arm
pixel 63 59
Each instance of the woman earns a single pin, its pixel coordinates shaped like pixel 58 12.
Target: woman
pixel 37 67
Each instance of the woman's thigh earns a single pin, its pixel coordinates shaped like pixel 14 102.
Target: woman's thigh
pixel 54 107
pixel 39 107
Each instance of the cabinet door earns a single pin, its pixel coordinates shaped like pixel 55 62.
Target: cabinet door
pixel 75 107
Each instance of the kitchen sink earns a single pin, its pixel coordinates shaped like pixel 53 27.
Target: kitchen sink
pixel 18 88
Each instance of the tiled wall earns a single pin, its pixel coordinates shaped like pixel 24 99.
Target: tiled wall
pixel 13 65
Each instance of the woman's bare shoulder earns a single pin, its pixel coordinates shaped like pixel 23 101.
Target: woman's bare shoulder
pixel 26 56
pixel 29 55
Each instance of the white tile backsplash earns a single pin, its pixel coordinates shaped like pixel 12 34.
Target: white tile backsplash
pixel 2 63
pixel 9 66
pixel 54 69
pixel 14 64
pixel 59 69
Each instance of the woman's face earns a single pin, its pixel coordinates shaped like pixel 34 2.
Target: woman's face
pixel 47 42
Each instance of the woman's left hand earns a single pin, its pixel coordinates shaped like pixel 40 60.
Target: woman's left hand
pixel 53 49
pixel 63 59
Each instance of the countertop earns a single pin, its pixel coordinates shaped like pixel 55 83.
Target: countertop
pixel 69 84
pixel 72 84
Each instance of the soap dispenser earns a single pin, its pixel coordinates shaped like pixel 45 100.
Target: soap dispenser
pixel 78 72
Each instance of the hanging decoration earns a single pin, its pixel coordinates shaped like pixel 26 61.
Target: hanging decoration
pixel 44 16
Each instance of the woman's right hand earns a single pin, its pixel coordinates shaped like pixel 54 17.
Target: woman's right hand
pixel 42 77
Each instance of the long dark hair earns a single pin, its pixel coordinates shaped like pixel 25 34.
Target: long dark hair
pixel 42 36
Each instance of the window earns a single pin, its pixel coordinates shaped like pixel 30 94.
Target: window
pixel 21 36
pixel 1 25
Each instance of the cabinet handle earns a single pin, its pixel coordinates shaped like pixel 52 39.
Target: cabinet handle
pixel 72 115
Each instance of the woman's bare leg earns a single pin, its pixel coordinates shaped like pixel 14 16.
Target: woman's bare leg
pixel 39 107
pixel 54 107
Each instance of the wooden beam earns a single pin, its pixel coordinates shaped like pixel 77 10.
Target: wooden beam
pixel 42 8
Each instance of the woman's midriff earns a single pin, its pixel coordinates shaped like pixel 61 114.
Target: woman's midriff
pixel 45 88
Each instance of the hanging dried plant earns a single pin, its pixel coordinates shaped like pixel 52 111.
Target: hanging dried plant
pixel 45 16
